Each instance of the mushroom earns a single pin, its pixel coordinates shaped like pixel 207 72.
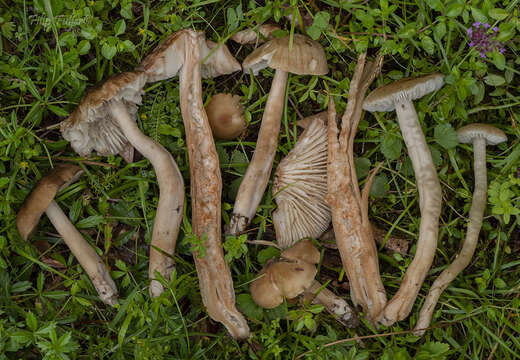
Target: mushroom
pixel 349 205
pixel 305 57
pixel 182 53
pixel 300 187
pixel 399 96
pixel 40 200
pixel 225 116
pixel 479 135
pixel 255 35
pixel 104 121
pixel 292 275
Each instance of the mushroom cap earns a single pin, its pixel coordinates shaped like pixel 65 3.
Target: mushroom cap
pixel 167 58
pixel 282 278
pixel 306 57
pixel 303 250
pixel 255 35
pixel 493 135
pixel 225 116
pixel 385 97
pixel 300 187
pixel 41 196
pixel 91 125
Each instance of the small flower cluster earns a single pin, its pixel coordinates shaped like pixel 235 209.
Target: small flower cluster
pixel 483 38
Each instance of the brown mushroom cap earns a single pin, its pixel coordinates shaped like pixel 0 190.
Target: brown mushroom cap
pixel 225 116
pixel 303 250
pixel 255 35
pixel 282 279
pixel 493 135
pixel 384 97
pixel 167 58
pixel 300 187
pixel 41 196
pixel 91 126
pixel 306 57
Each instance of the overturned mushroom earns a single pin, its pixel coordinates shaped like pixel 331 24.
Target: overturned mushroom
pixel 399 96
pixel 225 116
pixel 479 135
pixel 41 200
pixel 255 35
pixel 104 121
pixel 293 275
pixel 349 206
pixel 305 57
pixel 300 187
pixel 181 53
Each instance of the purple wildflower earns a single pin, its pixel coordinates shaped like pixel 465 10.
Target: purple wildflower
pixel 482 40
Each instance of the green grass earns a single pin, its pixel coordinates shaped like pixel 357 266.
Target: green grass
pixel 51 51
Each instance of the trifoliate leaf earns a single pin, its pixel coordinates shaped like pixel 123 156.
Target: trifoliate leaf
pixel 446 136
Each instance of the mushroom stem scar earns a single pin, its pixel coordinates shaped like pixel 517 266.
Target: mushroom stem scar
pixel 86 255
pixel 430 206
pixel 257 175
pixel 476 214
pixel 171 197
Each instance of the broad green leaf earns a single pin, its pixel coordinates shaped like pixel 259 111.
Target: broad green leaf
pixel 494 80
pixel 120 27
pixel 391 146
pixel 498 14
pixel 108 51
pixel 445 136
pixel 246 304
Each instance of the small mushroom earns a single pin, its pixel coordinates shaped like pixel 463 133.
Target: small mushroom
pixel 300 187
pixel 305 57
pixel 479 135
pixel 181 54
pixel 399 96
pixel 105 121
pixel 41 200
pixel 293 275
pixel 255 35
pixel 225 116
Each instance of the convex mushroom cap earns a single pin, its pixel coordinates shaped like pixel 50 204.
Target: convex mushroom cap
pixel 300 187
pixel 91 125
pixel 42 195
pixel 306 57
pixel 225 116
pixel 384 98
pixel 255 35
pixel 287 277
pixel 493 135
pixel 166 60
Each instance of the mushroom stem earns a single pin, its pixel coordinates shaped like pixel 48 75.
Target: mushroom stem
pixel 476 214
pixel 216 284
pixel 430 206
pixel 171 196
pixel 86 255
pixel 257 175
pixel 335 305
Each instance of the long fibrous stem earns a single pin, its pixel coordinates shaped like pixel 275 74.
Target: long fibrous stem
pixel 429 188
pixel 216 284
pixel 84 253
pixel 476 214
pixel 171 197
pixel 348 205
pixel 257 175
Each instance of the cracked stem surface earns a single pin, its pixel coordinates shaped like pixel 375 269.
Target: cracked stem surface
pixel 216 284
